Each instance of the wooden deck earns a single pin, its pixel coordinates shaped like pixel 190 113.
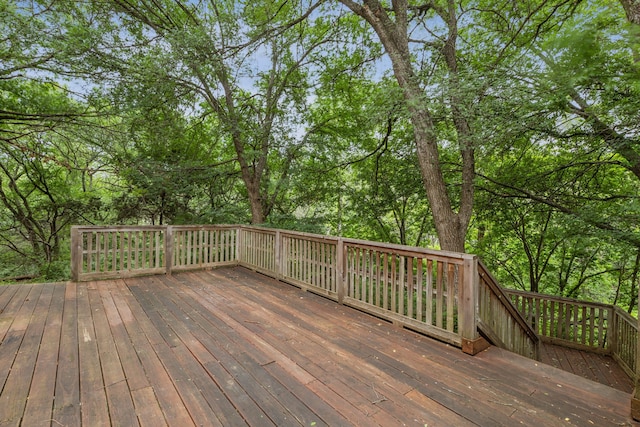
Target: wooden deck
pixel 593 366
pixel 231 347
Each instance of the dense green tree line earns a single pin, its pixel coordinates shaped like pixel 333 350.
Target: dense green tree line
pixel 506 129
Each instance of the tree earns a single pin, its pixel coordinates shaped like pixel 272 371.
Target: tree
pixel 581 105
pixel 525 196
pixel 245 65
pixel 45 169
pixel 392 27
pixel 42 193
pixel 443 93
pixel 163 169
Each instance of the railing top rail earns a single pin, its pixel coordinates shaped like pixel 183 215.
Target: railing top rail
pixel 150 227
pixel 411 250
pixel 205 227
pixel 559 299
pixel 401 249
pixel 311 236
pixel 626 316
pixel 117 227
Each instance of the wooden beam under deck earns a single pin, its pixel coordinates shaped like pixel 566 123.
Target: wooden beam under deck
pixel 231 347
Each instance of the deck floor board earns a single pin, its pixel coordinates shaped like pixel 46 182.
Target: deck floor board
pixel 593 366
pixel 40 403
pixel 231 347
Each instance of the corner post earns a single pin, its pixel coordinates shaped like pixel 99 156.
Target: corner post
pixel 472 342
pixel 168 249
pixel 76 253
pixel 635 398
pixel 612 331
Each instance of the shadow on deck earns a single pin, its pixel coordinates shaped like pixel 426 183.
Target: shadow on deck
pixel 232 347
pixel 593 366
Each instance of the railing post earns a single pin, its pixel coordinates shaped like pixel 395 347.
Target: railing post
pixel 612 333
pixel 277 249
pixel 635 399
pixel 239 245
pixel 340 281
pixel 472 342
pixel 168 249
pixel 76 253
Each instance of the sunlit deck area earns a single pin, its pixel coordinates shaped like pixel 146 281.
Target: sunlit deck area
pixel 233 347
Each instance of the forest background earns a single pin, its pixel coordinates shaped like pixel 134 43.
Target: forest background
pixel 508 129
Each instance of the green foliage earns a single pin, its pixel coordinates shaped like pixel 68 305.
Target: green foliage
pixel 43 190
pixel 287 114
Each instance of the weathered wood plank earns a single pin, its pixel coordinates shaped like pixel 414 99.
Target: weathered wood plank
pixel 245 369
pixel 6 294
pixel 40 400
pixel 448 361
pixel 353 381
pixel 147 408
pixel 593 366
pixel 66 408
pixel 29 323
pixel 190 396
pixel 214 357
pixel 131 368
pixel 357 355
pixel 194 339
pixel 581 401
pixel 12 333
pixel 274 366
pixel 270 356
pixel 121 409
pixel 144 337
pixel 95 410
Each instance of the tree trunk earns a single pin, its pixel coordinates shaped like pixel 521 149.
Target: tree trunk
pixel 255 200
pixel 632 9
pixel 451 226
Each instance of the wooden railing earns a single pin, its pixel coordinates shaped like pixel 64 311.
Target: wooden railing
pixel 500 321
pixel 203 246
pixel 414 287
pixel 624 334
pixel 583 325
pixel 106 252
pixel 411 286
pixel 441 294
pixel 123 251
